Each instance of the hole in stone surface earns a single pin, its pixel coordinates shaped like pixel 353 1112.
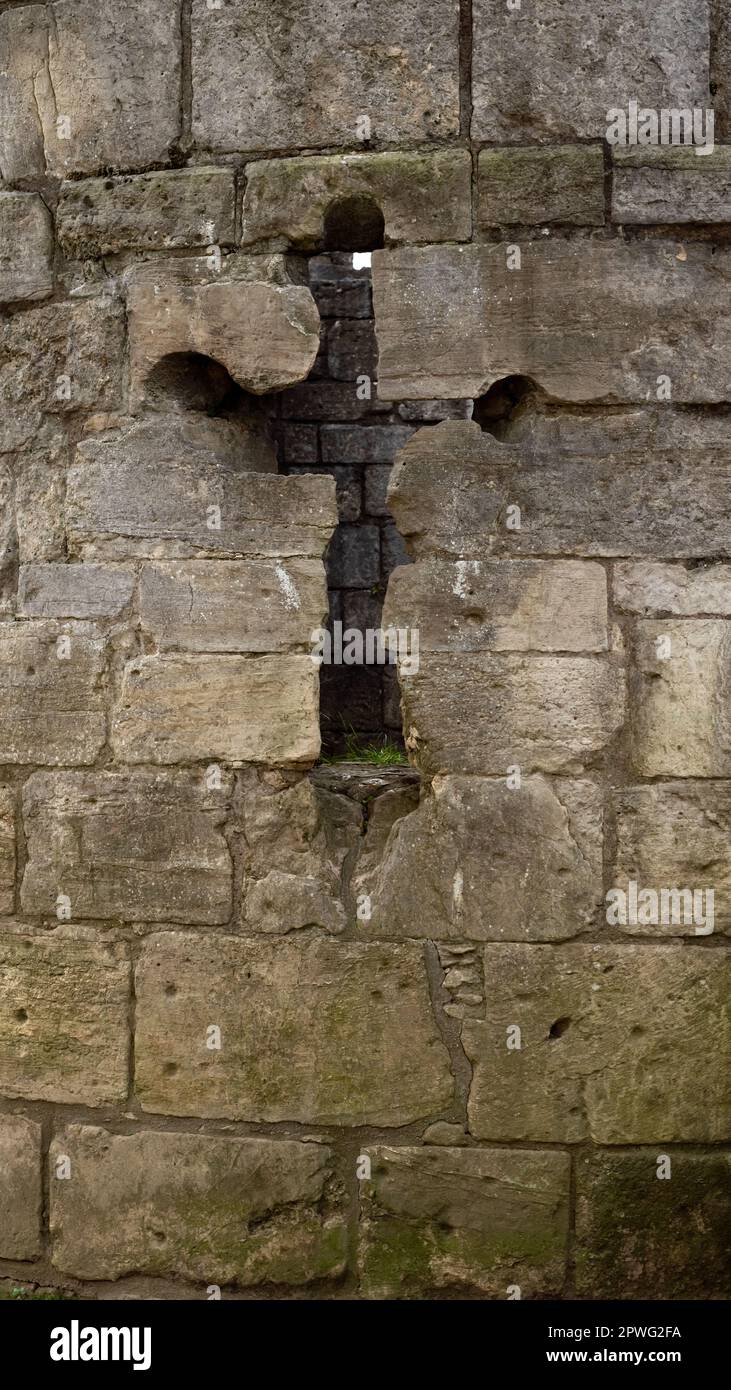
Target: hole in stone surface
pixel 354 223
pixel 499 410
pixel 558 1028
pixel 189 381
pixel 21 1015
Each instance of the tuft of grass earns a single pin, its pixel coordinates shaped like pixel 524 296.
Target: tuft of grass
pixel 359 750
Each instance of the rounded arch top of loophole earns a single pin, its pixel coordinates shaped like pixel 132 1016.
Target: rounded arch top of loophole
pixel 189 381
pixel 354 223
pixel 500 410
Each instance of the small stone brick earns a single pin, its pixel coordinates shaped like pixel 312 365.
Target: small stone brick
pixel 363 444
pixel 353 557
pixel 348 488
pixel 376 487
pixel 20 1188
pixel 299 444
pixel 26 248
pixel 340 291
pixel 351 350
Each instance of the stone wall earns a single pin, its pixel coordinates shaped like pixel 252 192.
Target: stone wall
pixel 277 1029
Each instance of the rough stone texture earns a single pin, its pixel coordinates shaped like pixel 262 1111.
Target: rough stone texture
pixel 680 720
pixel 640 1237
pixel 20 1188
pixel 65 1031
pixel 25 92
pixel 282 902
pixel 423 197
pixel 233 1211
pixel 487 863
pixel 463 1219
pixel 171 208
pixel 184 708
pixel 265 335
pixel 306 74
pixel 546 713
pixel 501 605
pixel 548 73
pixel 145 846
pixel 661 184
pixel 26 248
pixel 618 484
pixel 564 184
pixel 147 490
pixel 675 835
pixel 313 1030
pixel 620 1044
pixel 51 705
pixel 587 321
pixel 648 589
pixel 7 850
pixel 73 591
pixel 240 606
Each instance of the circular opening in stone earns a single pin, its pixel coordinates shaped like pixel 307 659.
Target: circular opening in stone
pixel 354 224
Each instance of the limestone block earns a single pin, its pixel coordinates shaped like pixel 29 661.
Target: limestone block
pixel 621 1044
pixel 140 846
pixel 587 320
pixel 239 709
pixel 203 1207
pixel 166 488
pixel 51 692
pixel 40 481
pixel 676 835
pixel 648 589
pixel 73 591
pixel 671 184
pixel 308 73
pixel 463 1219
pixel 7 850
pixel 20 1188
pixel 295 826
pixel 423 197
pixel 26 248
pixel 501 605
pixel 546 73
pixel 559 184
pixel 641 1238
pixel 144 212
pixel 63 1008
pixel 266 335
pixel 633 484
pixel 240 606
pixel 282 902
pixel 485 862
pixel 26 96
pixel 311 1029
pixel 680 719
pixel 545 713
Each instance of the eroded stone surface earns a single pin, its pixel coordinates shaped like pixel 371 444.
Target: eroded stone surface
pixel 140 847
pixel 7 850
pixel 621 1044
pixel 656 184
pixel 312 1029
pixel 52 697
pixel 680 721
pixel 240 606
pixel 64 1013
pixel 647 589
pixel 20 1188
pixel 170 208
pixel 26 248
pixel 564 184
pixel 73 591
pixel 233 1211
pixel 464 1219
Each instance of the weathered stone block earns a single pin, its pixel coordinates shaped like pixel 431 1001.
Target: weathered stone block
pixel 676 835
pixel 166 488
pixel 299 444
pixel 282 902
pixel 640 1238
pixel 589 320
pixel 51 692
pixel 40 480
pixel 549 74
pixel 20 1188
pixel 649 588
pixel 354 556
pixel 340 291
pixel 351 350
pixel 233 1211
pixel 376 481
pixel 558 184
pixel 144 212
pixel 7 850
pixel 545 713
pixel 622 1044
pixel 681 725
pixel 314 1030
pixel 239 709
pixel 26 96
pixel 463 1219
pixel 141 846
pixel 665 184
pixel 423 197
pixel 348 487
pixel 240 606
pixel 308 74
pixel 63 1008
pixel 26 248
pixel 73 591
pixel 485 862
pixel 501 605
pixel 363 444
pixel 582 484
pixel 295 826
pixel 266 335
